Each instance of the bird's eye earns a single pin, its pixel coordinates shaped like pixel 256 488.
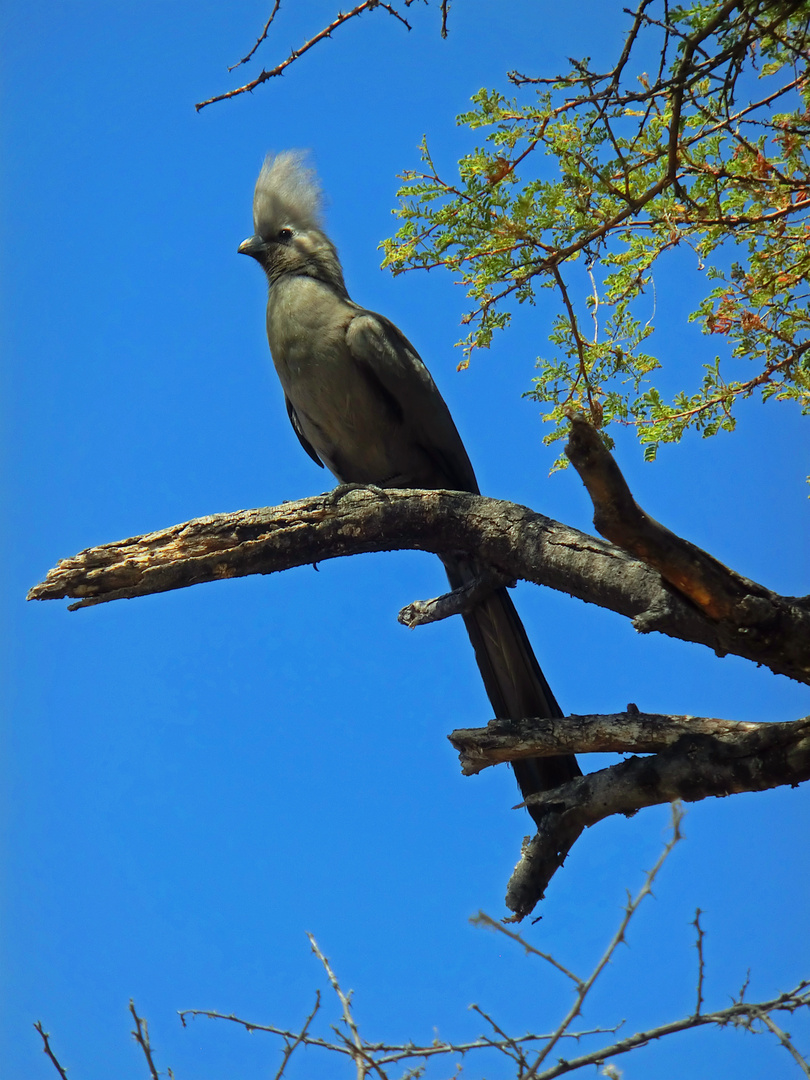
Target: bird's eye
pixel 284 235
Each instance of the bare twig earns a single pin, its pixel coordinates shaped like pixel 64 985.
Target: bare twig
pixel 366 5
pixel 784 1039
pixel 507 1045
pixel 271 1029
pixel 141 1037
pixel 482 919
pixel 745 1014
pixel 363 1061
pixel 631 908
pixel 291 1045
pixel 46 1049
pixel 260 38
pixel 388 1053
pixel 701 965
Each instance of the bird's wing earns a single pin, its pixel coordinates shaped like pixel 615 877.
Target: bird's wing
pixel 395 366
pixel 307 445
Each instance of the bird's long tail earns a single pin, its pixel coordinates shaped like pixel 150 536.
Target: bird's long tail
pixel 514 682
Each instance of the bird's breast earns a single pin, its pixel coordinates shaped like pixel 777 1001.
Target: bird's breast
pixel 351 426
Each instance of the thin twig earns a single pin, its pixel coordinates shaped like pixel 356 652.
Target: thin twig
pixel 579 341
pixel 391 1053
pixel 290 1046
pixel 701 966
pixel 618 937
pixel 482 919
pixel 46 1049
pixel 798 998
pixel 366 5
pixel 361 1058
pixel 508 1045
pixel 785 1040
pixel 141 1037
pixel 260 38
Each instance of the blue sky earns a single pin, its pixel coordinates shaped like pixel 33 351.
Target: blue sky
pixel 194 780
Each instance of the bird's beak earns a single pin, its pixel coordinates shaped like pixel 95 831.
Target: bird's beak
pixel 253 246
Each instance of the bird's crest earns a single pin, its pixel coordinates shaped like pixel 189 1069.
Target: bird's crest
pixel 287 193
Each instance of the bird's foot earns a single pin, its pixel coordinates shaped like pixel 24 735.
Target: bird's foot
pixel 337 493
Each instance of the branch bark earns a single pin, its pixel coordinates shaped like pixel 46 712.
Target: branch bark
pixel 630 732
pixel 693 768
pixel 515 541
pixel 714 588
pixel 322 35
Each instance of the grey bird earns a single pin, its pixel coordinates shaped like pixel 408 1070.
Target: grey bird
pixel 363 404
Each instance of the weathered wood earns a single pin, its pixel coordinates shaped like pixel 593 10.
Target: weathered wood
pixel 515 541
pixel 695 767
pixel 630 732
pixel 721 593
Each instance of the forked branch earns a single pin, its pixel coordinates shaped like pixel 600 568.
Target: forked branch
pixel 693 766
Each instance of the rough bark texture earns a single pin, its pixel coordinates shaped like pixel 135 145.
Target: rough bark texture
pixel 513 540
pixel 697 599
pixel 694 768
pixel 720 593
pixel 618 733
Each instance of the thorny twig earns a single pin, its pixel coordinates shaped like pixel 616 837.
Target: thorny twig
pixel 260 38
pixel 291 1045
pixel 374 1057
pixel 482 919
pixel 361 1058
pixel 630 910
pixel 784 1039
pixel 701 963
pixel 342 17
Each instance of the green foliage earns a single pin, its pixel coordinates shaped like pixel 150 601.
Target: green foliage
pixel 583 187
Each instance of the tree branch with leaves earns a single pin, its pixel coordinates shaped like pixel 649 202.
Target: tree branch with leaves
pixel 709 154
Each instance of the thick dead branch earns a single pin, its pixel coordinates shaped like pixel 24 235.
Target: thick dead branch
pixel 721 594
pixel 710 585
pixel 611 733
pixel 694 768
pixel 513 540
pixel 541 856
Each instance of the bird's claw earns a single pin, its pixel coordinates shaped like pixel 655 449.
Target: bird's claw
pixel 337 493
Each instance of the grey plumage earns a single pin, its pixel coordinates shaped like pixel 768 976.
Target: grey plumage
pixel 362 403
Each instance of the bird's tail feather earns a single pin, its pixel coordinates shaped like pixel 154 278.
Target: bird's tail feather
pixel 512 677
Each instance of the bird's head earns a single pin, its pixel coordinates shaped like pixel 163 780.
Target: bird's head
pixel 288 238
